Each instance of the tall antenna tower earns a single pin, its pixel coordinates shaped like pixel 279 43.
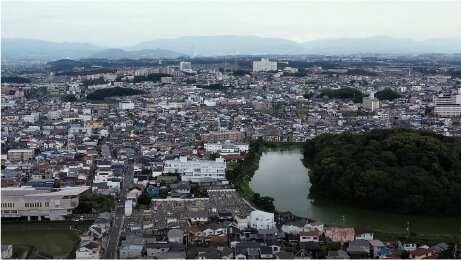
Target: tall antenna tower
pixel 192 52
pixel 235 57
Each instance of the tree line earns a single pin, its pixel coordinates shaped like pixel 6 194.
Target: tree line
pixel 400 170
pixel 243 173
pixel 344 93
pixel 101 94
pixel 15 80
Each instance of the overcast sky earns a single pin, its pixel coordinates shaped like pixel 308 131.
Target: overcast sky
pixel 124 23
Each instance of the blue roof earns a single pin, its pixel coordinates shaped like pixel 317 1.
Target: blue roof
pixel 385 251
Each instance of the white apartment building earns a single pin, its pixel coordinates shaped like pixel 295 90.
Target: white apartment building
pixel 261 220
pixel 185 66
pixel 54 114
pixel 370 103
pixel 196 170
pixel 126 105
pixel 264 65
pixel 227 148
pixel 27 201
pixel 446 105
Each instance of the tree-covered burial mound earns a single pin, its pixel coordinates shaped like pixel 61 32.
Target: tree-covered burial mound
pixel 401 170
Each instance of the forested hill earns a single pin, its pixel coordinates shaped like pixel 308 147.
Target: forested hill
pixel 399 170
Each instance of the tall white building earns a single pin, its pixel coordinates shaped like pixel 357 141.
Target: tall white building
pixel 264 65
pixel 196 170
pixel 126 105
pixel 370 103
pixel 261 220
pixel 446 105
pixel 185 66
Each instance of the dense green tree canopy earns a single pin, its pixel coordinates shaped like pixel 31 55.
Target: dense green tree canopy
pixel 100 94
pixel 15 80
pixel 344 93
pixel 155 77
pixel 387 94
pixel 400 170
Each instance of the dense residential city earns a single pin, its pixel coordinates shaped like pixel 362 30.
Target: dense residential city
pixel 139 157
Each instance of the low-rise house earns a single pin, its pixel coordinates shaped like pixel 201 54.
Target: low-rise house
pixel 155 249
pixel 316 225
pixel 266 252
pixel 131 251
pixel 175 235
pixel 340 254
pixel 7 251
pixel 88 250
pixel 222 216
pixel 198 217
pixel 311 236
pixel 219 242
pixel 421 253
pixel 389 253
pixel 102 223
pixel 376 246
pixel 247 250
pixel 363 233
pixel 439 248
pixel 361 243
pixel 173 255
pixel 357 253
pixel 295 227
pixel 342 234
pixel 240 222
pixel 407 244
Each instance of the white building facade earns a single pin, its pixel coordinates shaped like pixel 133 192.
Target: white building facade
pixel 264 65
pixel 196 170
pixel 227 148
pixel 261 220
pixel 29 202
pixel 126 105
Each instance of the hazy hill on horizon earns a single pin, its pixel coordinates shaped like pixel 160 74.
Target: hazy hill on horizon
pixel 28 49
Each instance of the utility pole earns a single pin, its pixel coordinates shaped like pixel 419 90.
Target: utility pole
pixel 344 219
pixel 408 229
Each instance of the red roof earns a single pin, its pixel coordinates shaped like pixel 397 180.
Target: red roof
pixel 420 252
pixel 194 229
pixel 218 239
pixel 314 233
pixel 231 157
pixel 431 257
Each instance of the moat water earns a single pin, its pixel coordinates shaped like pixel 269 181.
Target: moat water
pixel 283 176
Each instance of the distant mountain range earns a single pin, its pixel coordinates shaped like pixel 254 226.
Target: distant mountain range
pixel 26 49
pixel 114 54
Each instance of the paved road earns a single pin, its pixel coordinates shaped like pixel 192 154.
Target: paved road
pixel 117 226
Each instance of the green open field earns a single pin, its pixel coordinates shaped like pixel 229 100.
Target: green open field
pixel 58 243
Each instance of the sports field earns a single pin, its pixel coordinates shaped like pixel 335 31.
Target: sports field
pixel 58 243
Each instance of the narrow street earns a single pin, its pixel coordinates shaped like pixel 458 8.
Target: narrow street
pixel 119 215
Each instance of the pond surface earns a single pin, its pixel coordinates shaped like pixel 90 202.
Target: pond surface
pixel 282 175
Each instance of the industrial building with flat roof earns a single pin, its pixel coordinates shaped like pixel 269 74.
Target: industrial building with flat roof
pixel 27 201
